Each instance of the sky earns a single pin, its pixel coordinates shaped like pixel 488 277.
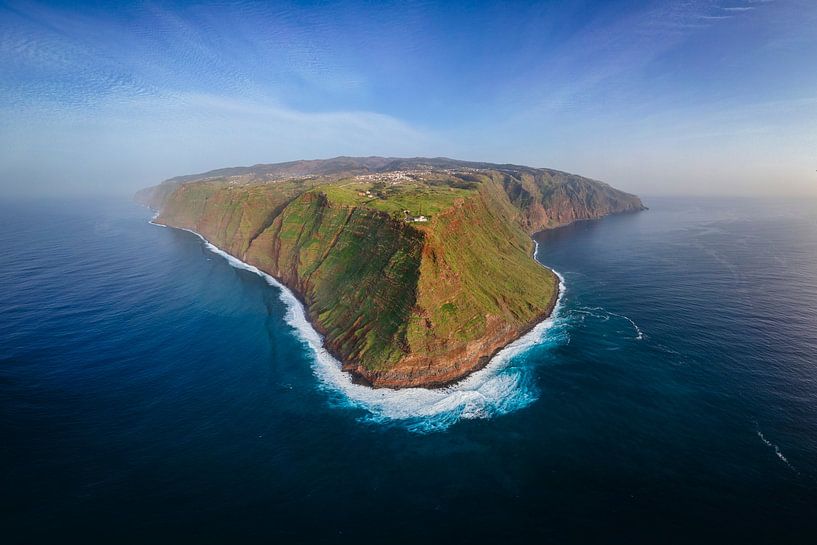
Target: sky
pixel 655 97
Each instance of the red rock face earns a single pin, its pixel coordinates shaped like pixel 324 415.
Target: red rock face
pixel 549 199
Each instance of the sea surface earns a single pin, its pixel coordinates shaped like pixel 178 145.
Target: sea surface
pixel 153 391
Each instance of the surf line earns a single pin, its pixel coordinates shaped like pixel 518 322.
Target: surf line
pixel 562 286
pixel 777 451
pixel 586 310
pixel 639 333
pixel 482 394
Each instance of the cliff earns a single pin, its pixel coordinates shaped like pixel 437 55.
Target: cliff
pixel 416 271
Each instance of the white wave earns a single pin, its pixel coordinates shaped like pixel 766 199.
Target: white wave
pixel 583 313
pixel 493 390
pixel 639 335
pixel 777 451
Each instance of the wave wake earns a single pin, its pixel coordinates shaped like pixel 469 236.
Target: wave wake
pixel 638 333
pixel 496 389
pixel 594 312
pixel 777 451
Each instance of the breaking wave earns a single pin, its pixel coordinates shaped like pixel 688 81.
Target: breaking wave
pixel 498 388
pixel 777 450
pixel 604 315
pixel 639 335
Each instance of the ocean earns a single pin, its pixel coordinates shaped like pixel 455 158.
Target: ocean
pixel 153 390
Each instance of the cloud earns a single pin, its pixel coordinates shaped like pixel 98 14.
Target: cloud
pixel 146 140
pixel 152 93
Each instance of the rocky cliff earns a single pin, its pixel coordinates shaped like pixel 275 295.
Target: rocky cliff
pixel 416 271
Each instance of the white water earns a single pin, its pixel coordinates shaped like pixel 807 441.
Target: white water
pixel 777 451
pixel 639 335
pixel 594 312
pixel 493 390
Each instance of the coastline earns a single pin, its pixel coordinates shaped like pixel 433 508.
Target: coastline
pixel 583 220
pixel 313 337
pixel 485 361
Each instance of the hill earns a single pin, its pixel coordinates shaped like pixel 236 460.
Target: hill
pixel 416 271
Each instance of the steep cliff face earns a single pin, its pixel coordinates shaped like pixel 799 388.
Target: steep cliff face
pixel 550 199
pixel 227 215
pixel 478 290
pixel 400 302
pixel 355 269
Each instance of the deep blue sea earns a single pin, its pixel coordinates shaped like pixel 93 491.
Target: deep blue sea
pixel 151 392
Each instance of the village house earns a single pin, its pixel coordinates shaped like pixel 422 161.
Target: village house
pixel 409 218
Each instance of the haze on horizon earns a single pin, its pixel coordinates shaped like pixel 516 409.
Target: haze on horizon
pixel 699 97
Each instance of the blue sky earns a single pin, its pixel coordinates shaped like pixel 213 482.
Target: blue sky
pixel 715 96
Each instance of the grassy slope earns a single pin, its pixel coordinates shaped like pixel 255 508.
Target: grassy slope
pixel 230 216
pixel 476 265
pixel 417 197
pixel 355 268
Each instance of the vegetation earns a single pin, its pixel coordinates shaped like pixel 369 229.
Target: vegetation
pixel 418 197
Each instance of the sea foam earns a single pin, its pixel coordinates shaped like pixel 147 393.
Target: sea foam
pixel 496 389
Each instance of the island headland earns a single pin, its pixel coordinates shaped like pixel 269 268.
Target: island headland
pixel 415 271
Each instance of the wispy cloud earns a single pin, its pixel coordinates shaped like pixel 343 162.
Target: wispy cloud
pixel 214 91
pixel 160 88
